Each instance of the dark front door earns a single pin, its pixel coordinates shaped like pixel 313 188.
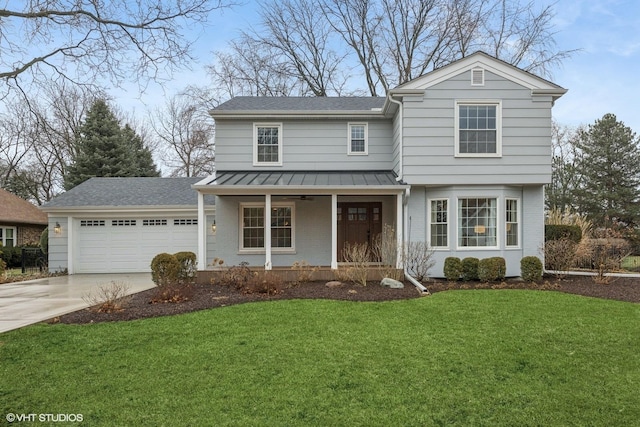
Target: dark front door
pixel 358 223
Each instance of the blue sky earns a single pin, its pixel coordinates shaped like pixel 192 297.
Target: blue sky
pixel 603 77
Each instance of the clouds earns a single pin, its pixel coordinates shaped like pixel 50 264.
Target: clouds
pixel 603 76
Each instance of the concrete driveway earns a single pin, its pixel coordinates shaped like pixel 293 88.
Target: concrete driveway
pixel 33 301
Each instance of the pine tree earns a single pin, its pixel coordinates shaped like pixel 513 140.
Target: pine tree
pixel 105 149
pixel 142 163
pixel 609 170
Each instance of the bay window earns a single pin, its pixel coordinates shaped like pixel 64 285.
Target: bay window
pixel 477 222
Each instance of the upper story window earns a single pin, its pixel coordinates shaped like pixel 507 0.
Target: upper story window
pixel 478 129
pixel 358 138
pixel 267 144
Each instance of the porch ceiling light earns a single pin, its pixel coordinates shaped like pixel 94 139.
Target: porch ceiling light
pixel 58 228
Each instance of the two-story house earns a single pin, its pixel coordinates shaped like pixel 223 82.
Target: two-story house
pixel 457 158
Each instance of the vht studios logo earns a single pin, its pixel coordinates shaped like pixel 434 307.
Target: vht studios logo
pixel 51 418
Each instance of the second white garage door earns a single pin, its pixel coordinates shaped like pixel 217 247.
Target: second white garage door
pixel 127 245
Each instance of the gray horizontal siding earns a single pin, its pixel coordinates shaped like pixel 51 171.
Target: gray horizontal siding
pixel 307 145
pixel 429 151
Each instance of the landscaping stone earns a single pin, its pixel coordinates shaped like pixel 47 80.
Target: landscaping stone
pixel 393 284
pixel 333 284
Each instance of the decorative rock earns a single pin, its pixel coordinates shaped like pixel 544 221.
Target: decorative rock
pixel 333 284
pixel 393 284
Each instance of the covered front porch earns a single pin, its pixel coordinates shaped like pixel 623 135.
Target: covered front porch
pixel 310 216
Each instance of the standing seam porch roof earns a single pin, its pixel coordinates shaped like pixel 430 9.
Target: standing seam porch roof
pixel 283 180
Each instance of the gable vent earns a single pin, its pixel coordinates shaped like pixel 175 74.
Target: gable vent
pixel 477 77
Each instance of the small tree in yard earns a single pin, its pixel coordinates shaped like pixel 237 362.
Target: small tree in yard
pixel 418 260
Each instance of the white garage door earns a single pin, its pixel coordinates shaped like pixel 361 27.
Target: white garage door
pixel 128 245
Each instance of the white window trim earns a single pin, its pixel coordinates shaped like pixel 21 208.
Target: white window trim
pixel 499 226
pixel 243 250
pixel 518 218
pixel 429 210
pixel 498 105
pixel 255 144
pixel 3 241
pixel 366 139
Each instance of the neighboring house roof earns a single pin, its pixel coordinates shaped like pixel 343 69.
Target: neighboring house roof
pixel 128 193
pixel 299 106
pixel 13 209
pixel 293 182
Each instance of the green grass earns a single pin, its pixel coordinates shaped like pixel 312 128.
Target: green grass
pixel 486 358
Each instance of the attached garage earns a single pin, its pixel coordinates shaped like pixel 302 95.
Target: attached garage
pixel 117 225
pixel 127 245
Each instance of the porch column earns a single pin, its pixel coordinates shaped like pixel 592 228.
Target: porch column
pixel 202 234
pixel 334 231
pixel 71 269
pixel 399 230
pixel 267 231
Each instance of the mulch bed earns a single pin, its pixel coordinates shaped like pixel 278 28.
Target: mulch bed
pixel 206 296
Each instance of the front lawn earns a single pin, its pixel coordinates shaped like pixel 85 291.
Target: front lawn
pixel 482 357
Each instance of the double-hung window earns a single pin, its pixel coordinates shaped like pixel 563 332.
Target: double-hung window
pixel 477 222
pixel 253 226
pixel 7 237
pixel 478 129
pixel 511 222
pixel 358 138
pixel 267 144
pixel 439 223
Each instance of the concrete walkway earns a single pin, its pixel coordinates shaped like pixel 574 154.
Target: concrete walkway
pixel 33 301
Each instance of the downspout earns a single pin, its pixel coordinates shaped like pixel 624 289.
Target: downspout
pixel 406 219
pixel 400 135
pixel 423 290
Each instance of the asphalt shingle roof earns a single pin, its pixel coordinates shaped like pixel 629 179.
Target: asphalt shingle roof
pixel 292 103
pixel 122 192
pixel 13 209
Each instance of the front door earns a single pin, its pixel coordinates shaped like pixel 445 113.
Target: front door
pixel 358 223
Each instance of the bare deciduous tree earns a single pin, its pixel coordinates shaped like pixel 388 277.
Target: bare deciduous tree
pixel 252 68
pixel 40 138
pixel 386 42
pixel 84 41
pixel 297 29
pixel 186 137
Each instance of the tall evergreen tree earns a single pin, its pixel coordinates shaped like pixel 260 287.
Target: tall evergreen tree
pixel 609 166
pixel 107 150
pixel 140 156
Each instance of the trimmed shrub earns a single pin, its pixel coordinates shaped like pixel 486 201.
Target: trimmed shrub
pixel 165 269
pixel 12 257
pixel 452 268
pixel 3 268
pixel 531 269
pixel 188 267
pixel 492 269
pixel 562 231
pixel 470 269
